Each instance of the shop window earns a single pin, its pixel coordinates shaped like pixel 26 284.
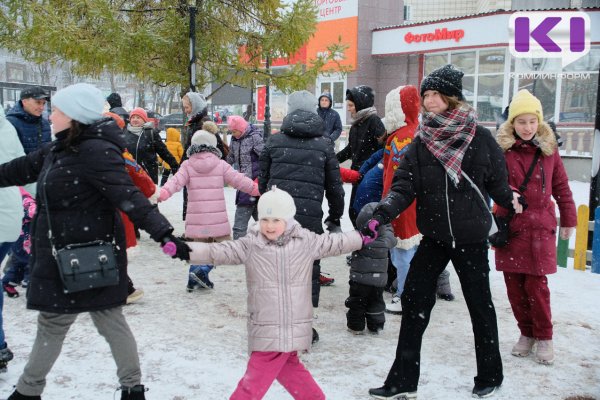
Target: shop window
pixel 543 89
pixel 464 61
pixel 469 88
pixel 577 101
pixel 589 62
pixel 434 61
pixel 489 97
pixel 325 87
pixel 338 94
pixel 491 61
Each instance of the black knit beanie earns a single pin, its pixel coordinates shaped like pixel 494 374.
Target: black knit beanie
pixel 447 80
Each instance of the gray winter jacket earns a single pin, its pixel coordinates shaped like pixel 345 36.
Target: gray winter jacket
pixel 278 276
pixel 369 265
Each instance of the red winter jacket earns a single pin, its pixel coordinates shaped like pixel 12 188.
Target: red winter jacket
pixel 401 121
pixel 531 247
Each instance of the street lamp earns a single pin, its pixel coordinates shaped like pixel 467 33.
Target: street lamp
pixel 267 123
pixel 192 66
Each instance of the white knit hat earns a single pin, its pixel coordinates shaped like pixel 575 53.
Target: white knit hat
pixel 81 102
pixel 276 203
pixel 202 137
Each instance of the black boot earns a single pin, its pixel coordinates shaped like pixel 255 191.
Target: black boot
pixel 18 396
pixel 133 393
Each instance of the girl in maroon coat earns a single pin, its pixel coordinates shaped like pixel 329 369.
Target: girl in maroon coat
pixel 531 251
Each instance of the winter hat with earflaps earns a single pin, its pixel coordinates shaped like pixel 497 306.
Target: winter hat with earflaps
pixel 276 203
pixel 302 100
pixel 447 80
pixel 81 102
pixel 525 103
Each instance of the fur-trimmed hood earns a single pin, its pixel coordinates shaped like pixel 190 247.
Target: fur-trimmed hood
pixel 401 108
pixel 203 148
pixel 544 138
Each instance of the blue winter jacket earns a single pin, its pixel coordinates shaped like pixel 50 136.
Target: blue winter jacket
pixel 33 131
pixel 370 187
pixel 331 119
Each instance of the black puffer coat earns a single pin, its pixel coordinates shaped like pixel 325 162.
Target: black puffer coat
pixel 420 175
pixel 301 161
pixel 332 123
pixel 86 184
pixel 146 147
pixel 363 135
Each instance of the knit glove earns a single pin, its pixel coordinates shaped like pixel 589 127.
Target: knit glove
pixel 333 225
pixel 369 231
pixel 175 247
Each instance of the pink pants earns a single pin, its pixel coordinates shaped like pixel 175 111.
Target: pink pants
pixel 266 366
pixel 529 298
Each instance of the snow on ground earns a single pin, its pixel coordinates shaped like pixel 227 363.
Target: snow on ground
pixel 193 345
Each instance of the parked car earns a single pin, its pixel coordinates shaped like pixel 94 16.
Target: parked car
pixel 176 119
pixel 154 117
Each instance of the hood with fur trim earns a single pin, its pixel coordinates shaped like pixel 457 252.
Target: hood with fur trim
pixel 544 138
pixel 401 107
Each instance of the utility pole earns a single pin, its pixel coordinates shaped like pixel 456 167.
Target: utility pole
pixel 192 66
pixel 267 123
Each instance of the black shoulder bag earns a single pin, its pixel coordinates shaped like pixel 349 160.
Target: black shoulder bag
pixel 499 238
pixel 83 266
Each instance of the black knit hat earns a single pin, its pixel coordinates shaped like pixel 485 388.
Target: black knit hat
pixel 447 80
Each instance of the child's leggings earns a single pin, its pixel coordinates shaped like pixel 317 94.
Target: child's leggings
pixel 266 366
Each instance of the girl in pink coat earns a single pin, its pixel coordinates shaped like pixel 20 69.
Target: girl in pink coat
pixel 205 175
pixel 530 254
pixel 278 254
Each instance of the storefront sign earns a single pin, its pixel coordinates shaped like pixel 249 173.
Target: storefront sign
pixel 438 34
pixel 336 9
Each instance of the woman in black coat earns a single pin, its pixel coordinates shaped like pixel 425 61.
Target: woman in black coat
pixel 455 222
pixel 82 183
pixel 365 134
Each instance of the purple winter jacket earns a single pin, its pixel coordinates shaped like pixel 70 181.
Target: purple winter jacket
pixel 243 156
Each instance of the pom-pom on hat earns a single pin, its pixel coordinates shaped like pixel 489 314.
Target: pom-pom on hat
pixel 140 112
pixel 237 123
pixel 276 203
pixel 211 127
pixel 203 137
pixel 525 103
pixel 81 102
pixel 447 80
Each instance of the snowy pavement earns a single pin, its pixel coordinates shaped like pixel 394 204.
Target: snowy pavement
pixel 193 345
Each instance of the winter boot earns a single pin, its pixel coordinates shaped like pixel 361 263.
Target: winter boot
pixel 18 396
pixel 356 333
pixel 444 291
pixel 5 356
pixel 315 335
pixel 544 353
pixel 395 306
pixel 10 290
pixel 325 281
pixel 135 296
pixel 200 276
pixel 388 393
pixel 133 393
pixel 481 392
pixel 523 347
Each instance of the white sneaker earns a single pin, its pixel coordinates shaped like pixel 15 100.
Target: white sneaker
pixel 135 296
pixel 544 353
pixel 395 306
pixel 523 347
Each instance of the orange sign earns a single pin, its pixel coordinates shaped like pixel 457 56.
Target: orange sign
pixel 328 33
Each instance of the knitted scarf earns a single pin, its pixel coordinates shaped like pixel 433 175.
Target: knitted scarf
pixel 363 114
pixel 447 136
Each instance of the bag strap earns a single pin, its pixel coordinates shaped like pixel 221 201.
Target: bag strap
pixel 523 185
pixel 478 192
pixel 45 197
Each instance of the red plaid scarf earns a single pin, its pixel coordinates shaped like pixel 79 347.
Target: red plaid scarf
pixel 447 136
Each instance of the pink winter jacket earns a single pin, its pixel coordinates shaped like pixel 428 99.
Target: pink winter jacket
pixel 278 276
pixel 205 175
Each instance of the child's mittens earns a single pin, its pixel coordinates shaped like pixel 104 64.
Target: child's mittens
pixel 27 246
pixel 255 192
pixel 155 197
pixel 164 195
pixel 349 175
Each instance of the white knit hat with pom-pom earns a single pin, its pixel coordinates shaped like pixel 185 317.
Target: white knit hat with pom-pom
pixel 202 137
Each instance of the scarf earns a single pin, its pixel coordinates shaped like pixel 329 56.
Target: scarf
pixel 363 114
pixel 447 136
pixel 136 130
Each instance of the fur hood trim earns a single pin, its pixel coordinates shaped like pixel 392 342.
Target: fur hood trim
pixel 202 148
pixel 545 138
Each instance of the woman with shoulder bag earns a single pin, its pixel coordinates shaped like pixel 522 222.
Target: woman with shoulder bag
pixel 454 221
pixel 82 184
pixel 531 149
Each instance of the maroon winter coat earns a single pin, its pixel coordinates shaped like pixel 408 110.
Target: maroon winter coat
pixel 531 247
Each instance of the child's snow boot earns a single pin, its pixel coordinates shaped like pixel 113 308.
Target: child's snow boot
pixel 10 290
pixel 133 393
pixel 395 306
pixel 5 356
pixel 444 291
pixel 325 281
pixel 523 347
pixel 200 276
pixel 544 353
pixel 18 396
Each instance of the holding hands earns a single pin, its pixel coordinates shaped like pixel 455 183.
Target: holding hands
pixel 175 247
pixel 369 231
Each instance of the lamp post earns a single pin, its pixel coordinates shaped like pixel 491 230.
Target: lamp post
pixel 594 184
pixel 192 66
pixel 267 123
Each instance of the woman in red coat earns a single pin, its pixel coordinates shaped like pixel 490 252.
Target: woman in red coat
pixel 530 254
